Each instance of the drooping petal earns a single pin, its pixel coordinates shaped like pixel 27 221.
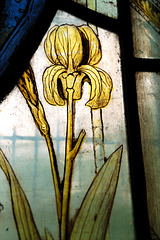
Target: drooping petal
pixel 106 89
pixel 68 45
pixel 95 82
pixel 95 53
pixel 50 85
pixel 49 45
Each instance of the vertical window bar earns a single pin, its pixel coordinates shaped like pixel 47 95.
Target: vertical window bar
pixel 132 121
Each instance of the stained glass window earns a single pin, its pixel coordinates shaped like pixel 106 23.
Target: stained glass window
pixel 79 120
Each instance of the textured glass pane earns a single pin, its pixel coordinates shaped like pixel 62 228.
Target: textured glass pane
pixel 148 89
pixel 105 128
pixel 9 18
pixel 108 8
pixel 17 18
pixel 145 17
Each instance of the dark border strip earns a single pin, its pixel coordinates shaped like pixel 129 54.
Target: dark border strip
pixel 132 121
pixel 29 36
pixel 89 15
pixel 146 65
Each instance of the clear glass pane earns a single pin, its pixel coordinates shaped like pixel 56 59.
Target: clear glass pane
pixel 146 28
pixel 105 128
pixel 148 103
pixel 108 8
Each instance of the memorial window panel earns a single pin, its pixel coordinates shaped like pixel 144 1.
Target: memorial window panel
pixel 78 120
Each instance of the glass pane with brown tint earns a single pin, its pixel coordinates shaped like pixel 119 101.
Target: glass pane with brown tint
pixel 148 89
pixel 145 16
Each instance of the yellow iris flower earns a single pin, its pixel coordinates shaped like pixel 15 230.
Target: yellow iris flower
pixel 75 53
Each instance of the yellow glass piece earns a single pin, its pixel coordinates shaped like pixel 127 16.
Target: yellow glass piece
pixel 27 86
pixel 49 50
pixel 95 53
pixel 148 10
pixel 50 86
pixel 68 47
pixel 91 4
pixel 75 52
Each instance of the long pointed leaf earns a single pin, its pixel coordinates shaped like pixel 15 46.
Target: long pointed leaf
pixel 94 214
pixel 48 236
pixel 21 210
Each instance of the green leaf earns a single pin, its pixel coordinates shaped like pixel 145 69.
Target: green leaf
pixel 48 236
pixel 21 210
pixel 94 214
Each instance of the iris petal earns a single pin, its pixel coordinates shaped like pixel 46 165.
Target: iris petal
pixel 49 45
pixel 68 46
pixel 95 81
pixel 107 86
pixel 101 86
pixel 50 86
pixel 95 53
pixel 64 46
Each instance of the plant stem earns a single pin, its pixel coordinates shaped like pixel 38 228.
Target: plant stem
pixel 96 115
pixel 55 174
pixel 98 138
pixel 68 165
pixel 70 121
pixel 71 153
